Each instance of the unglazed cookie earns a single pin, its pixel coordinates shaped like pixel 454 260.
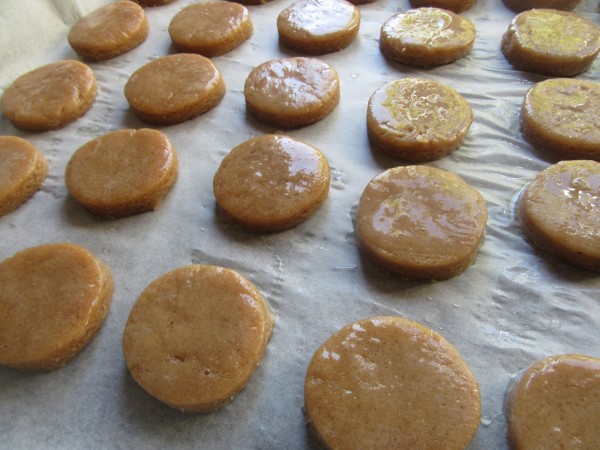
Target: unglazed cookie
pixel 417 120
pixel 210 28
pixel 551 42
pixel 50 96
pixel 561 116
pixel 109 31
pixel 174 88
pixel 292 92
pixel 195 336
pixel 53 299
pixel 560 212
pixel 421 222
pixel 23 169
pixel 555 403
pixel 317 27
pixel 524 5
pixel 387 382
pixel 426 37
pixel 272 182
pixel 457 6
pixel 153 2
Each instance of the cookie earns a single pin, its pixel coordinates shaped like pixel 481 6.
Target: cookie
pixel 426 37
pixel 560 116
pixel 174 88
pixel 560 212
pixel 211 28
pixel 555 403
pixel 316 27
pixel 109 31
pixel 53 300
pixel 195 336
pixel 292 92
pixel 153 2
pixel 524 5
pixel 51 96
pixel 23 169
pixel 456 6
pixel 551 42
pixel 271 183
pixel 421 222
pixel 417 120
pixel 387 382
pixel 122 173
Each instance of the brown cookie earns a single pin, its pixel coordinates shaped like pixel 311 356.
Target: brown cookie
pixel 153 2
pixel 524 5
pixel 456 6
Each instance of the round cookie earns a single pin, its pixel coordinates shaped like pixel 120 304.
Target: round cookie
pixel 388 382
pixel 421 222
pixel 428 128
pixel 555 403
pixel 174 88
pixel 195 336
pixel 23 169
pixel 292 92
pixel 54 298
pixel 109 31
pixel 560 212
pixel 211 28
pixel 153 2
pixel 271 183
pixel 426 37
pixel 456 6
pixel 122 173
pixel 51 96
pixel 524 5
pixel 317 27
pixel 551 42
pixel 561 115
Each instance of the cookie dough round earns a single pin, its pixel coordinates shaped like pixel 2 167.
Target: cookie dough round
pixel 174 88
pixel 195 336
pixel 211 28
pixel 561 116
pixel 417 120
pixel 109 31
pixel 560 212
pixel 316 27
pixel 388 382
pixel 555 403
pixel 23 169
pixel 551 42
pixel 524 5
pixel 292 92
pixel 271 183
pixel 426 37
pixel 456 6
pixel 421 222
pixel 122 173
pixel 53 300
pixel 51 96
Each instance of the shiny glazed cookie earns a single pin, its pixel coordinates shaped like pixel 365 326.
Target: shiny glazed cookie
pixel 53 299
pixel 421 222
pixel 23 169
pixel 456 6
pixel 271 183
pixel 195 336
pixel 387 382
pixel 524 5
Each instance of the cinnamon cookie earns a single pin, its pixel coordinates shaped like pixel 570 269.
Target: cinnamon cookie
pixel 456 6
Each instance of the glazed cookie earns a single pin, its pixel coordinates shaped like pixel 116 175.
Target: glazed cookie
pixel 551 42
pixel 561 116
pixel 109 31
pixel 524 5
pixel 292 92
pixel 53 300
pixel 555 403
pixel 50 96
pixel 23 169
pixel 210 28
pixel 417 120
pixel 560 212
pixel 195 336
pixel 317 27
pixel 122 173
pixel 174 88
pixel 421 222
pixel 271 183
pixel 456 6
pixel 388 382
pixel 426 37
